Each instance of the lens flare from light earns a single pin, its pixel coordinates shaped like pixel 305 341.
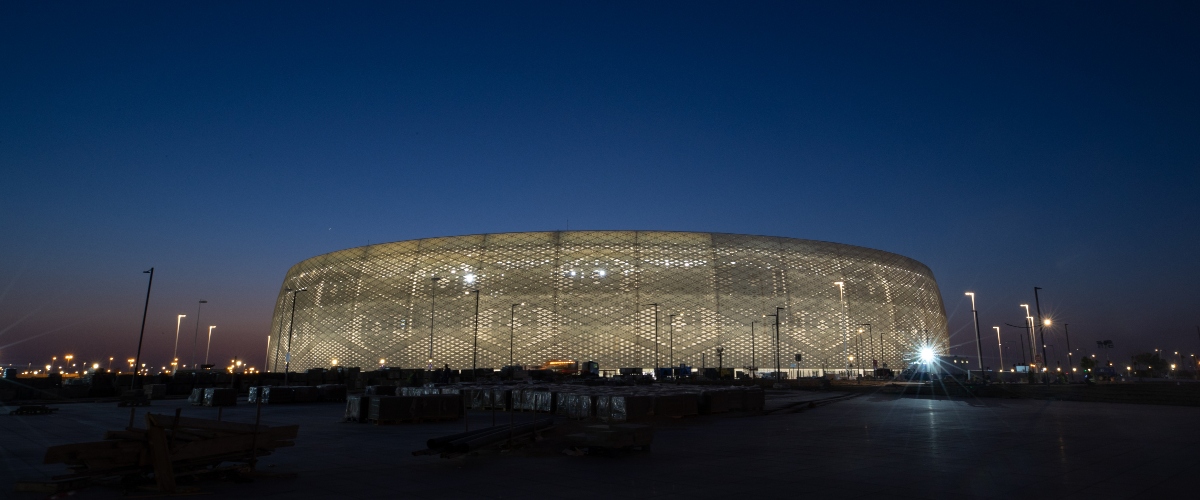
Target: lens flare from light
pixel 926 354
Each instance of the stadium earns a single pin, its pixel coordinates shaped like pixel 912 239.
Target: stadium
pixel 620 298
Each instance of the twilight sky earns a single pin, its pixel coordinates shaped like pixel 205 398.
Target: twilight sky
pixel 1006 145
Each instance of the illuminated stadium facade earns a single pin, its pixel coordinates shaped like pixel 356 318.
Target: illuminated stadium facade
pixel 614 297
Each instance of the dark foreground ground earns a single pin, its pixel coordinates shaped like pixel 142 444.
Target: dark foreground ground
pixel 871 446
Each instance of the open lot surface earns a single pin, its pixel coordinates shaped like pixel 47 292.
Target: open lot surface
pixel 870 446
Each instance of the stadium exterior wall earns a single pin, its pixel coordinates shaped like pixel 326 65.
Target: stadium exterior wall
pixel 590 295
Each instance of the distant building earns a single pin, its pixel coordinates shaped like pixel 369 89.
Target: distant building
pixel 591 295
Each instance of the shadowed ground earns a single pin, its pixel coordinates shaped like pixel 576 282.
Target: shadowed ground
pixel 867 447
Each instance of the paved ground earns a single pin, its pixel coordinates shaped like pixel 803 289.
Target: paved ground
pixel 865 447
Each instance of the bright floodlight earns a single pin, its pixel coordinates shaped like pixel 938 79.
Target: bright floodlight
pixel 926 354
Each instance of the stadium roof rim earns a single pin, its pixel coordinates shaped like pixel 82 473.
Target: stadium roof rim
pixel 615 231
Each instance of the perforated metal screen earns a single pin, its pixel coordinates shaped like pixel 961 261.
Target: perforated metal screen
pixel 591 295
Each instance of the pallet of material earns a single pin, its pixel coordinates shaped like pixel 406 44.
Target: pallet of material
pixel 624 408
pixel 615 437
pixel 220 396
pixel 357 408
pixel 168 446
pixel 272 394
pixel 196 398
pixel 305 394
pixel 400 409
pixel 381 390
pixel 155 391
pixel 331 392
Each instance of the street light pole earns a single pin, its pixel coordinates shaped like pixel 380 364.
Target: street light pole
pixel 671 349
pixel 978 339
pixel 1070 360
pixel 142 335
pixel 871 335
pixel 175 356
pixel 475 346
pixel 287 358
pixel 999 348
pixel 845 327
pixel 752 367
pixel 209 348
pixel 777 367
pixel 1032 338
pixel 432 303
pixel 512 328
pixel 655 338
pixel 1040 326
pixel 196 335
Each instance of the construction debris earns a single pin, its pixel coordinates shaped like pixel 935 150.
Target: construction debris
pixel 169 446
pixel 611 439
pixel 466 442
pixel 33 410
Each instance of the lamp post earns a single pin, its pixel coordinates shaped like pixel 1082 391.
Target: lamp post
pixel 1000 349
pixel 287 358
pixel 209 348
pixel 196 335
pixel 175 355
pixel 978 339
pixel 871 335
pixel 1041 327
pixel 671 338
pixel 142 335
pixel 432 302
pixel 1067 336
pixel 845 327
pixel 475 345
pixel 655 337
pixel 776 316
pixel 1029 333
pixel 512 329
pixel 752 367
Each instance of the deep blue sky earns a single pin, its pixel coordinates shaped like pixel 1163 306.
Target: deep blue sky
pixel 1004 144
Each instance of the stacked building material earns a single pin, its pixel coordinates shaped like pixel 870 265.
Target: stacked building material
pixel 400 409
pixel 357 408
pixel 155 391
pixel 381 390
pixel 220 396
pixel 331 392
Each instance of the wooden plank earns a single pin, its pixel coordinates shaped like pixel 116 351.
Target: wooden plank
pixel 164 474
pixel 198 423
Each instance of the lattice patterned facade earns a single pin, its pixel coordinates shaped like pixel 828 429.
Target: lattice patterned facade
pixel 591 295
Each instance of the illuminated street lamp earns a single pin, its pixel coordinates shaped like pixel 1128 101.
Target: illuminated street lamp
pixel 142 334
pixel 978 341
pixel 432 303
pixel 655 337
pixel 209 348
pixel 845 327
pixel 196 334
pixel 287 358
pixel 512 331
pixel 1041 331
pixel 475 345
pixel 1000 348
pixel 178 321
